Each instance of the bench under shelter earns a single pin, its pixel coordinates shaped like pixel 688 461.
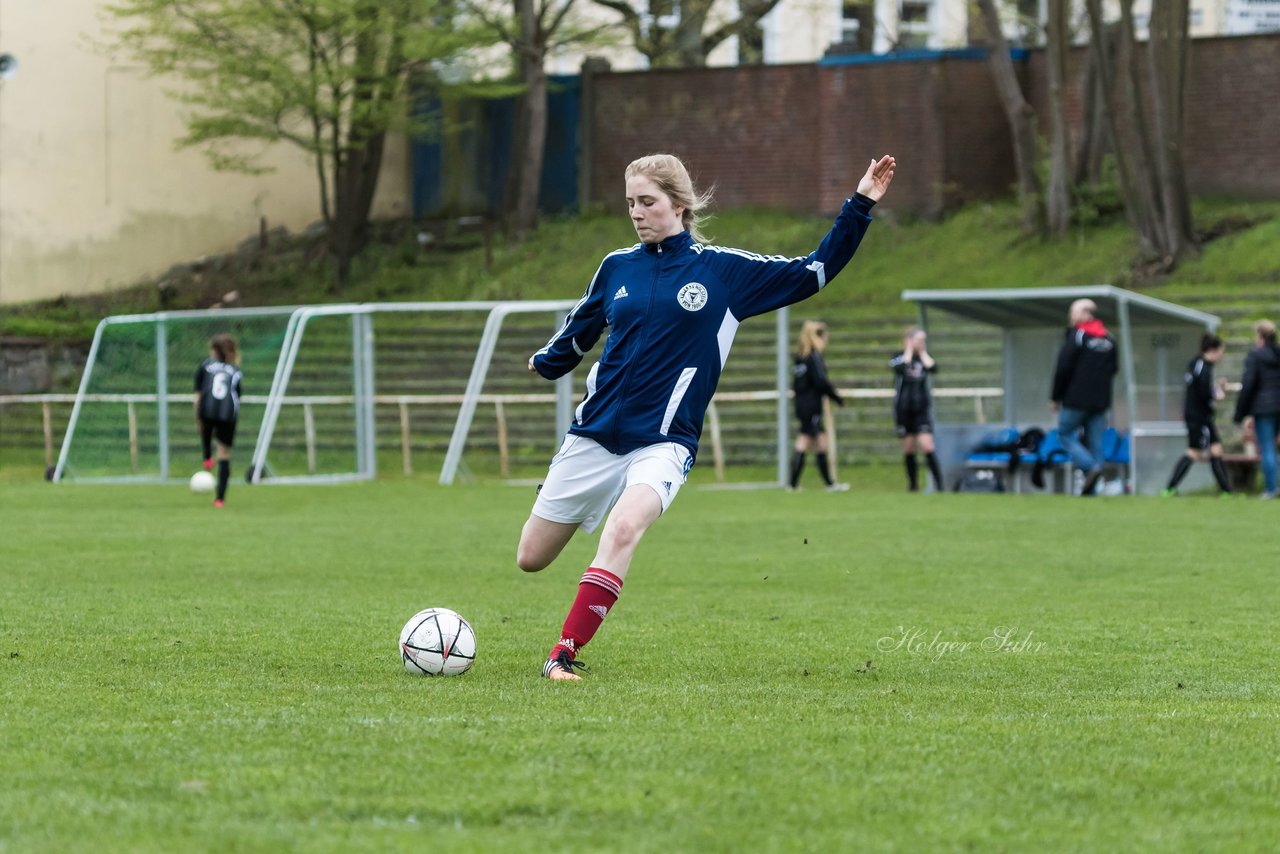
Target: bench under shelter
pixel 1156 340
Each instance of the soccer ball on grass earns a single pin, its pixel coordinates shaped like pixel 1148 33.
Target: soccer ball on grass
pixel 437 642
pixel 202 481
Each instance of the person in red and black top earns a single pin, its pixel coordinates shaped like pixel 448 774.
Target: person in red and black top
pixel 1203 441
pixel 913 405
pixel 217 406
pixel 1082 389
pixel 811 387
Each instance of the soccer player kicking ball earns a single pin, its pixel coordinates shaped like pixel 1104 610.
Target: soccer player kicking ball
pixel 673 304
pixel 217 405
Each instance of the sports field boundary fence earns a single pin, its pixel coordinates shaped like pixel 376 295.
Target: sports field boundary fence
pixel 981 399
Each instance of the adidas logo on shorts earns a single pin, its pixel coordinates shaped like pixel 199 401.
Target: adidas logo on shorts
pixel 666 484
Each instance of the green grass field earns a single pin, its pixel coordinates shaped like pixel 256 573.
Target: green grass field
pixel 805 672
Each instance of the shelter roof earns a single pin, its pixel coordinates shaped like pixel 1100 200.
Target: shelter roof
pixel 1011 308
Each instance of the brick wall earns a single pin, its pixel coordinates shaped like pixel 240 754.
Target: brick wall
pixel 797 137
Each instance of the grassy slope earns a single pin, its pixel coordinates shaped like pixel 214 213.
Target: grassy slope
pixel 157 696
pixel 977 247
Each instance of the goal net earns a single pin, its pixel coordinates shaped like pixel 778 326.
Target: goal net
pixel 339 392
pixel 420 382
pixel 133 419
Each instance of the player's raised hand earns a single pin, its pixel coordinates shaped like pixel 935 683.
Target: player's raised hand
pixel 875 183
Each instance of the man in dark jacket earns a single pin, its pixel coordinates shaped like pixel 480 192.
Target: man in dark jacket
pixel 1082 389
pixel 1258 405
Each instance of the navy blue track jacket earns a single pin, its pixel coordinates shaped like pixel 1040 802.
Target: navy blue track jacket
pixel 673 309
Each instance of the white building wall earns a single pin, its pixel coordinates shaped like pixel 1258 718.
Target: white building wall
pixel 93 194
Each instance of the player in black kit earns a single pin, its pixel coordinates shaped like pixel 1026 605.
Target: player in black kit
pixel 1203 441
pixel 217 406
pixel 913 405
pixel 811 387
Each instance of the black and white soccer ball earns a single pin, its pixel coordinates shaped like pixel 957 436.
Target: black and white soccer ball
pixel 437 642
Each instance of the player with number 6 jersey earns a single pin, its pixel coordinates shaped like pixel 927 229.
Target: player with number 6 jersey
pixel 217 406
pixel 672 304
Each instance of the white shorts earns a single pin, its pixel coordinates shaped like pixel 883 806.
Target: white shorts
pixel 585 480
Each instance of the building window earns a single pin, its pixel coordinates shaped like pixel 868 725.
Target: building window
pixel 915 24
pixel 849 23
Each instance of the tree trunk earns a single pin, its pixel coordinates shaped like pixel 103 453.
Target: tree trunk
pixel 532 146
pixel 1021 120
pixel 358 160
pixel 1058 198
pixel 1167 66
pixel 1142 153
pixel 689 49
pixel 356 180
pixel 530 133
pixel 1092 143
pixel 1113 108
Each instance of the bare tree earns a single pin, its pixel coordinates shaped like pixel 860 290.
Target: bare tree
pixel 1088 169
pixel 1167 54
pixel 1058 197
pixel 1149 166
pixel 687 40
pixel 1022 120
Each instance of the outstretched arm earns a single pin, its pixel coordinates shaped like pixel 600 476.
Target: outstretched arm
pixel 762 283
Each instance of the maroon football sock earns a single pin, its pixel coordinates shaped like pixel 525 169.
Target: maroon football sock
pixel 597 592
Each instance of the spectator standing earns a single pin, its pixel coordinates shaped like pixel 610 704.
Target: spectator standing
pixel 1082 389
pixel 1258 406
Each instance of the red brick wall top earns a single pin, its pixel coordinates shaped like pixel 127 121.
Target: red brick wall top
pixel 797 137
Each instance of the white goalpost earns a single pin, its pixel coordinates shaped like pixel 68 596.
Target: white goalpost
pixel 122 427
pixel 339 375
pixel 364 397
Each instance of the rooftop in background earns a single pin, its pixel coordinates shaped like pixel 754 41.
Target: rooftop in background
pixel 1040 307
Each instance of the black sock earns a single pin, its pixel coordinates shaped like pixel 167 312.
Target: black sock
pixel 912 467
pixel 932 459
pixel 797 466
pixel 1220 473
pixel 1179 472
pixel 224 475
pixel 206 443
pixel 823 468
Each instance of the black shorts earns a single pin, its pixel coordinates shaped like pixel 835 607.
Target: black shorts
pixel 223 431
pixel 913 423
pixel 1202 434
pixel 810 421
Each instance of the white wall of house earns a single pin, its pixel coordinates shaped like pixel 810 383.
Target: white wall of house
pixel 93 194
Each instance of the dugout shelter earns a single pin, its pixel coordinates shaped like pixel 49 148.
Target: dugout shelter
pixel 1156 340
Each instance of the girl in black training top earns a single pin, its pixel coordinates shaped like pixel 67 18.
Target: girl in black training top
pixel 811 387
pixel 913 405
pixel 217 405
pixel 1203 442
